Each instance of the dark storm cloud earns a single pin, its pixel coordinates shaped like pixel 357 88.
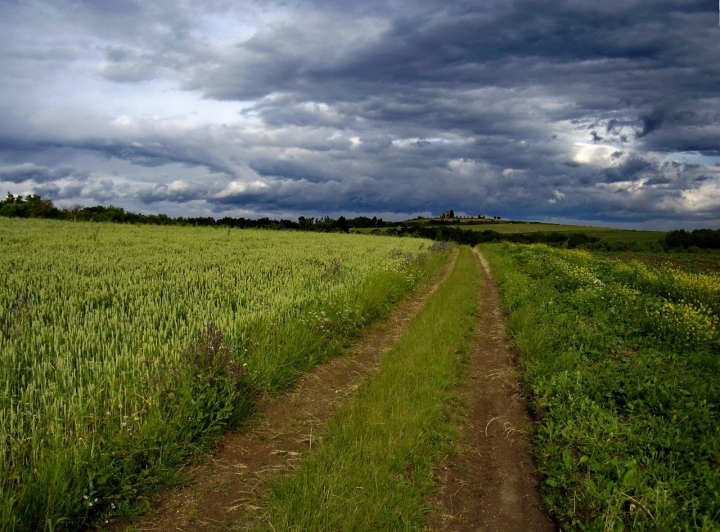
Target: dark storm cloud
pixel 629 170
pixel 56 192
pixel 30 172
pixel 470 44
pixel 526 108
pixel 161 151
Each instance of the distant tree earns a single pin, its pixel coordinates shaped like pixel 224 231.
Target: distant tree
pixel 12 205
pixel 72 211
pixel 699 238
pixel 33 206
pixel 341 224
pixel 41 208
pixel 706 238
pixel 306 223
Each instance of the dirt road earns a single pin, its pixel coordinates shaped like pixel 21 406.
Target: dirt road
pixel 490 485
pixel 225 493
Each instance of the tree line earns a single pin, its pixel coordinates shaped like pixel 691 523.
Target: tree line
pixel 699 238
pixel 473 238
pixel 34 206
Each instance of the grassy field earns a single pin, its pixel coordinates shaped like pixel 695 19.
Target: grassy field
pixel 606 233
pixel 125 348
pixel 611 235
pixel 373 470
pixel 621 361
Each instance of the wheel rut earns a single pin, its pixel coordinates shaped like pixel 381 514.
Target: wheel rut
pixel 490 485
pixel 226 492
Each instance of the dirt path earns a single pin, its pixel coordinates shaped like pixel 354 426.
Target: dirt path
pixel 225 493
pixel 490 485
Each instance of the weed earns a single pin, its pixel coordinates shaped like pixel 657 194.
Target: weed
pixel 620 361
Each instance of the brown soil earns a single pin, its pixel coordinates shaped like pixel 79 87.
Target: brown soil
pixel 490 485
pixel 709 263
pixel 226 492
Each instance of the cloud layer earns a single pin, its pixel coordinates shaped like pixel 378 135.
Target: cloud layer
pixel 527 109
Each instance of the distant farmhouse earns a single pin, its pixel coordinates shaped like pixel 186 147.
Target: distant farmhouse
pixel 449 214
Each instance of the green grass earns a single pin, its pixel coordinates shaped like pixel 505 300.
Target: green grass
pixel 101 395
pixel 373 470
pixel 642 238
pixel 621 361
pixel 606 233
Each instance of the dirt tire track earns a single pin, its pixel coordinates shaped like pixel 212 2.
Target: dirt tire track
pixel 226 492
pixel 490 485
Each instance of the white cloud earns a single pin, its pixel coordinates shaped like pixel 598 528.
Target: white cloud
pixel 464 167
pixel 235 188
pixel 594 154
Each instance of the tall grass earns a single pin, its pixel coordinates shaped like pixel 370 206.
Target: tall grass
pixel 622 364
pixel 110 372
pixel 373 469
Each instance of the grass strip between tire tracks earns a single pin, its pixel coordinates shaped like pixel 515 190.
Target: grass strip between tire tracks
pixel 373 470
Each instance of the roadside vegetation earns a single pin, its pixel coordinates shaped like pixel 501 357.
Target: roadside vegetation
pixel 125 349
pixel 621 361
pixel 373 470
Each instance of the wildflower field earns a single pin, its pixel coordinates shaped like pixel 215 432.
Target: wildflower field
pixel 621 360
pixel 123 349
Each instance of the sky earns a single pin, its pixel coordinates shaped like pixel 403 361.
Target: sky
pixel 605 113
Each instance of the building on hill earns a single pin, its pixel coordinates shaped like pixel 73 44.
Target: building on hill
pixel 449 214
